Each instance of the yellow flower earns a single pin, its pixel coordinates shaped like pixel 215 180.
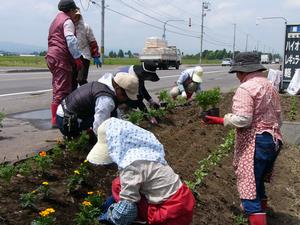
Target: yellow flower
pixel 76 172
pixel 90 193
pixel 85 161
pixel 45 183
pixel 46 212
pixel 42 153
pixel 86 203
pixel 50 210
pixel 33 192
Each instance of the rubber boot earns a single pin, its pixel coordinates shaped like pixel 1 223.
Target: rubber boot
pixel 258 219
pixel 53 112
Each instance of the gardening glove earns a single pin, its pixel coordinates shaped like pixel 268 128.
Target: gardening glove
pixel 154 104
pixel 153 121
pixel 213 120
pixel 183 94
pixel 97 62
pixel 79 64
pixel 109 201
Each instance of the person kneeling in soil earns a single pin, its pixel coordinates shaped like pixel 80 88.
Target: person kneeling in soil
pixel 92 103
pixel 144 72
pixel 256 116
pixel 188 82
pixel 147 189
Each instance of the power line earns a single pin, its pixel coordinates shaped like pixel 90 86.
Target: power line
pixel 154 18
pixel 157 27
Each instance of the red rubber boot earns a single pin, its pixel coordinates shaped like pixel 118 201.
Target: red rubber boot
pixel 53 112
pixel 258 219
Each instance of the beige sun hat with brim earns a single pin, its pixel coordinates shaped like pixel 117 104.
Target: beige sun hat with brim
pixel 129 83
pixel 197 75
pixel 99 153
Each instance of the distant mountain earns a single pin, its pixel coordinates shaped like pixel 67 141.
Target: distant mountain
pixel 19 48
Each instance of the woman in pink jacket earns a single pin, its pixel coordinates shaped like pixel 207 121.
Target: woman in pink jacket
pixel 63 52
pixel 256 116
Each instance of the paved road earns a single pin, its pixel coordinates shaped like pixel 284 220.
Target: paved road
pixel 28 91
pixel 25 134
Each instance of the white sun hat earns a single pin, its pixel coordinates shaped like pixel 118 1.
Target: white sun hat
pixel 197 75
pixel 99 153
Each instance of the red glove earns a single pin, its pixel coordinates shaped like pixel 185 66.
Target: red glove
pixel 213 120
pixel 79 64
pixel 94 49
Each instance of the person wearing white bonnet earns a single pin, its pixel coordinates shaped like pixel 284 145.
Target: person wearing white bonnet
pixel 94 102
pixel 89 47
pixel 188 83
pixel 146 183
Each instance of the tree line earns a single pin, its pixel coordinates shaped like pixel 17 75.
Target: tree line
pixel 206 54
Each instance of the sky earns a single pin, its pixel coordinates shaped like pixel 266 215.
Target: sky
pixel 129 22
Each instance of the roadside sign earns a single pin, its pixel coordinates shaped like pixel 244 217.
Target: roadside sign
pixel 291 60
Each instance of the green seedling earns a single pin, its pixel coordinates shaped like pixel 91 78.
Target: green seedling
pixel 181 100
pixel 294 108
pixel 7 171
pixel 75 181
pixel 157 113
pixel 88 214
pixel 29 199
pixel 78 143
pixel 25 168
pixel 135 117
pixel 43 161
pixel 46 217
pixel 57 151
pixel 240 220
pixel 2 115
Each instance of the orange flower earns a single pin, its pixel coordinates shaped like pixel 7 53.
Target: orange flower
pixel 42 153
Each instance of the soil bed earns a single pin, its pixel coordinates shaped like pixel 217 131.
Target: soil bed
pixel 187 140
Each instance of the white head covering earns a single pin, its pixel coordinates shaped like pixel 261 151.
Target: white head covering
pixel 197 74
pixel 126 143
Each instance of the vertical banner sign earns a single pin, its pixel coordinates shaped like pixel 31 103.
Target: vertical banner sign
pixel 291 53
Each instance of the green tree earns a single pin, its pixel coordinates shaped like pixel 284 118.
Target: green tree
pixel 121 53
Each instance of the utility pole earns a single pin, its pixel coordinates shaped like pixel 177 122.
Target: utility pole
pixel 246 48
pixel 203 14
pixel 233 49
pixel 102 30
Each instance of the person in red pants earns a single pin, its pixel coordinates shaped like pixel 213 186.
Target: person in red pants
pixel 256 116
pixel 147 189
pixel 63 52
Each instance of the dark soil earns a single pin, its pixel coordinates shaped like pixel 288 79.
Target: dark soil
pixel 187 140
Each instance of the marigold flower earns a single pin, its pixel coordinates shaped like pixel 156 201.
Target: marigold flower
pixel 46 212
pixel 86 203
pixel 76 172
pixel 45 183
pixel 50 210
pixel 90 193
pixel 42 153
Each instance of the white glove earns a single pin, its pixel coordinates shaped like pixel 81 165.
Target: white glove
pixel 183 94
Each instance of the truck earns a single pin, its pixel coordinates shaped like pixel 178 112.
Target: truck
pixel 264 59
pixel 277 60
pixel 157 50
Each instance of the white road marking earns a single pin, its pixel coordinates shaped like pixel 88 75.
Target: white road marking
pixel 26 92
pixel 204 73
pixel 47 90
